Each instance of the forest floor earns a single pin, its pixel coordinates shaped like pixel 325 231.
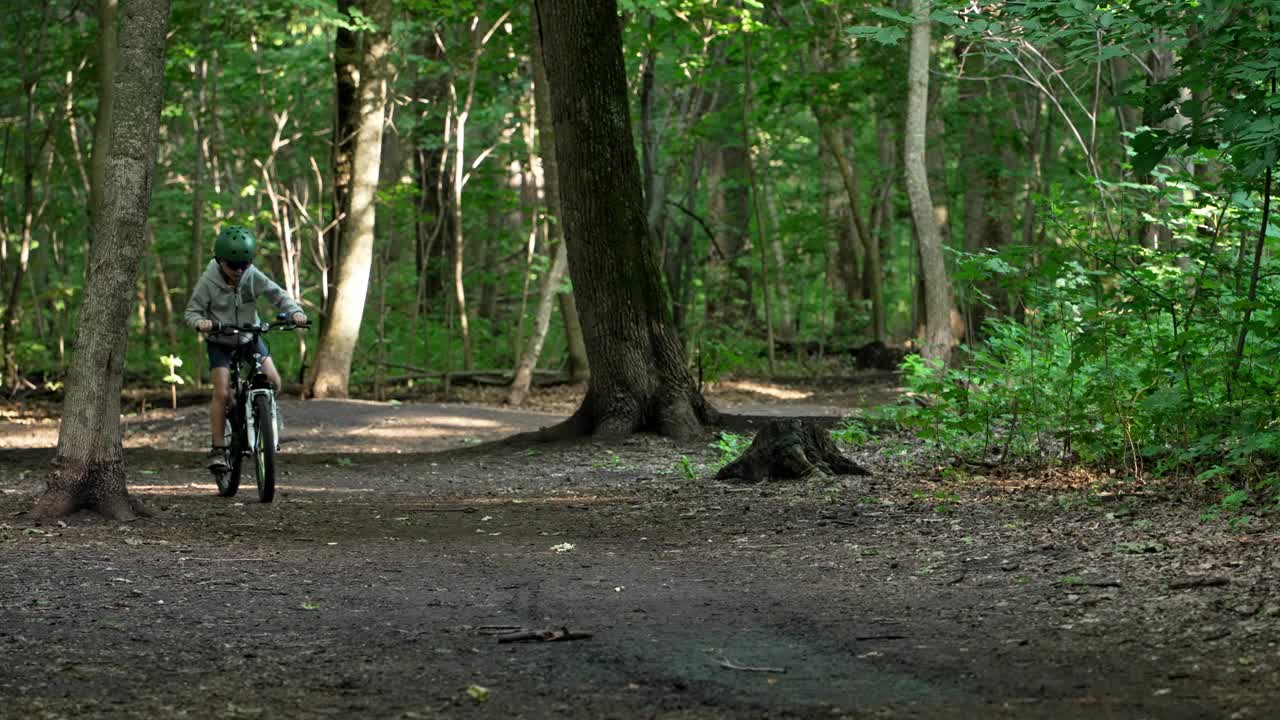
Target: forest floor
pixel 402 550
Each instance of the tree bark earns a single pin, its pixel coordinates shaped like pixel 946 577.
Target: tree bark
pixel 639 376
pixel 355 254
pixel 107 52
pixel 89 464
pixel 937 286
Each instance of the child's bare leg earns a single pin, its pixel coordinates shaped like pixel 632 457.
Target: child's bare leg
pixel 218 407
pixel 273 375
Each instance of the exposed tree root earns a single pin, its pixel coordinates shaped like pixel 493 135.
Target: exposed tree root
pixel 676 415
pixel 96 487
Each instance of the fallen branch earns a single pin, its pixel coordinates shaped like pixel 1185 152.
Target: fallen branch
pixel 1200 582
pixel 1098 583
pixel 498 629
pixel 731 665
pixel 561 635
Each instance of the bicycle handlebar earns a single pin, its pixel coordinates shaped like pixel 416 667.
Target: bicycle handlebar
pixel 254 328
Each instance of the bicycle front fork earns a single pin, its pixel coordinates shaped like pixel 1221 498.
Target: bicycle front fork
pixel 251 419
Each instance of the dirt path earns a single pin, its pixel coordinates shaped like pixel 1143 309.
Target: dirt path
pixel 376 584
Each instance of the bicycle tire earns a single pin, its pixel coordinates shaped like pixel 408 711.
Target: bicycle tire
pixel 265 450
pixel 228 482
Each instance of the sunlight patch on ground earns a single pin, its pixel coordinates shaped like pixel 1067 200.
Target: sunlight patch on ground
pixel 461 502
pixel 774 391
pixel 29 435
pixel 245 484
pixel 428 432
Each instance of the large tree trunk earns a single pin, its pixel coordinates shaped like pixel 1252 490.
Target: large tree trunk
pixel 355 254
pixel 88 470
pixel 639 376
pixel 937 286
pixel 107 51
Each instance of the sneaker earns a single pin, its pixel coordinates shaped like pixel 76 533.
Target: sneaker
pixel 217 460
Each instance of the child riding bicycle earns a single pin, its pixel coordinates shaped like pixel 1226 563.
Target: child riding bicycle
pixel 226 294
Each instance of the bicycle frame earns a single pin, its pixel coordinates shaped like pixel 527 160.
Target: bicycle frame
pixel 244 393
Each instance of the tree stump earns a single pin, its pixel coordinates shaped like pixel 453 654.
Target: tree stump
pixel 790 449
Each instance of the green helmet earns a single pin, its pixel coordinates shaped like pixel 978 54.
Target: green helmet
pixel 234 243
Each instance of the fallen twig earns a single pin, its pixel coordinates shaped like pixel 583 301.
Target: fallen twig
pixel 881 637
pixel 731 665
pixel 834 521
pixel 1098 583
pixel 561 635
pixel 498 629
pixel 1200 582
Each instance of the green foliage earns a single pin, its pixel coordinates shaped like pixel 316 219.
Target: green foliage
pixel 1126 357
pixel 730 446
pixel 943 501
pixel 686 468
pixel 852 432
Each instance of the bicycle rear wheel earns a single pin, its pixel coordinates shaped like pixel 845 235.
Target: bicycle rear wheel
pixel 265 450
pixel 229 481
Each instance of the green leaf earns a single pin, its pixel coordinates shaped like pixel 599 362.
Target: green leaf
pixel 478 693
pixel 894 15
pixel 882 35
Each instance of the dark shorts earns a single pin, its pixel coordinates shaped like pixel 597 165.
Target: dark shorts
pixel 220 355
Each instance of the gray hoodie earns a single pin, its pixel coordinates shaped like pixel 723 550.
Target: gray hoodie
pixel 214 299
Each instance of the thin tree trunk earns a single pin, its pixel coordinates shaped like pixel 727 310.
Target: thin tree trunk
pixel 197 259
pixel 882 227
pixel 655 191
pixel 346 121
pixel 1238 355
pixel 860 237
pixel 937 286
pixel 355 259
pixel 162 289
pixel 755 201
pixel 88 469
pixel 579 367
pixel 542 321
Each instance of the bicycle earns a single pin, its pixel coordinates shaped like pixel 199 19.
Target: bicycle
pixel 253 419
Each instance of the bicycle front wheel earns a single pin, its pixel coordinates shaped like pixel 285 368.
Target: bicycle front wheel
pixel 265 450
